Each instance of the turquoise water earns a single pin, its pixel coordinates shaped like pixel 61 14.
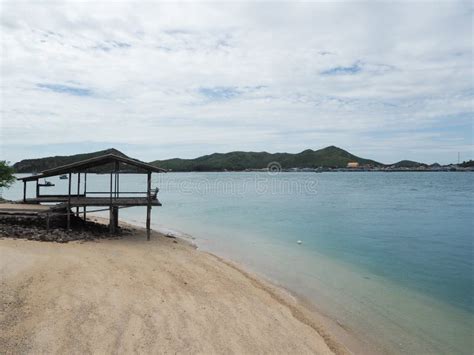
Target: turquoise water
pixel 388 255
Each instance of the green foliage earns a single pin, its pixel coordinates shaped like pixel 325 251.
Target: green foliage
pixel 38 165
pixel 408 164
pixel 332 157
pixel 467 164
pixel 6 174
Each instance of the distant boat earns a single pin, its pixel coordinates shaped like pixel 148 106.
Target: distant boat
pixel 63 177
pixel 46 183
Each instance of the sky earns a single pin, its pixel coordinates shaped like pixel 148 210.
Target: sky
pixel 384 80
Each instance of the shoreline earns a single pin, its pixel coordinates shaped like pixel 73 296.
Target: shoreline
pixel 396 334
pixel 25 272
pixel 302 309
pixel 338 336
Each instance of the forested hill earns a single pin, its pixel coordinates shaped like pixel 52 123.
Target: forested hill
pixel 327 157
pixel 233 161
pixel 38 165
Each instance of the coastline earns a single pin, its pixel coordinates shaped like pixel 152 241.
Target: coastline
pixel 339 336
pixel 395 333
pixel 280 321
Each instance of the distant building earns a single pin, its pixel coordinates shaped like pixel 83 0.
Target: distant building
pixel 353 164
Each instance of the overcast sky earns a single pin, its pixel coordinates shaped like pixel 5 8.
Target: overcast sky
pixel 386 81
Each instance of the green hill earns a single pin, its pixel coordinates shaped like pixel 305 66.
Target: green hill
pixel 327 157
pixel 467 164
pixel 233 161
pixel 37 165
pixel 408 164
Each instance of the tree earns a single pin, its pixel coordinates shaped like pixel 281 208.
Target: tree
pixel 6 174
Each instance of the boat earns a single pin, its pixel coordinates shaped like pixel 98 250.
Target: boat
pixel 46 183
pixel 63 177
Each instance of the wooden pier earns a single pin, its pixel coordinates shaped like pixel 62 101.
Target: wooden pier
pixel 113 165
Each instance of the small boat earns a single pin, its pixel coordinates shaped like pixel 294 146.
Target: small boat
pixel 46 183
pixel 63 177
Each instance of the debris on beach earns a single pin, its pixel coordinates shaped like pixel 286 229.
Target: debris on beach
pixel 24 228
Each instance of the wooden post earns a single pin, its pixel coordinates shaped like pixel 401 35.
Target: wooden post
pixel 85 193
pixel 115 212
pixel 78 190
pixel 148 207
pixel 117 188
pixel 37 189
pixel 69 203
pixel 111 212
pixel 24 190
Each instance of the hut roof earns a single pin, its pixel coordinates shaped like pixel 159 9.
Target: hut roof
pixel 84 165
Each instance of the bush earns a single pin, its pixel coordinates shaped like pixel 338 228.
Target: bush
pixel 6 174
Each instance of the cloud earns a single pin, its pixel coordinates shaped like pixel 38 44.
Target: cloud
pixel 65 89
pixel 192 78
pixel 220 93
pixel 353 69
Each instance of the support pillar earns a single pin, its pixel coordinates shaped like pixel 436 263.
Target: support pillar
pixel 24 191
pixel 115 211
pixel 111 212
pixel 113 215
pixel 148 207
pixel 85 194
pixel 78 191
pixel 69 203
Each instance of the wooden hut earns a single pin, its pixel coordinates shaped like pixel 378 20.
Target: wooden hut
pixel 113 199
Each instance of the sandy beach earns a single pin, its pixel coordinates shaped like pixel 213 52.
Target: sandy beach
pixel 129 295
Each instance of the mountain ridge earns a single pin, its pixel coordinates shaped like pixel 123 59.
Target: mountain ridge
pixel 328 157
pixel 41 164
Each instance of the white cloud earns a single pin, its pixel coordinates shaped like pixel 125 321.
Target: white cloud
pixel 238 76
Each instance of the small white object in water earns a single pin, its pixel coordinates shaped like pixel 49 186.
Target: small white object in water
pixel 299 242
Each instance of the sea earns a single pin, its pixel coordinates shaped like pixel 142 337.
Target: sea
pixel 388 256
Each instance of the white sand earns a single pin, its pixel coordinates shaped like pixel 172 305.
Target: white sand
pixel 130 295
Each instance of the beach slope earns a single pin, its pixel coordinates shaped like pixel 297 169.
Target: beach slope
pixel 129 295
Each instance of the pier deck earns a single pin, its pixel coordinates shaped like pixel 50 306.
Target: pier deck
pixel 82 201
pixel 24 209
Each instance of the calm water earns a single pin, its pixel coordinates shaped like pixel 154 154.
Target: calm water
pixel 389 255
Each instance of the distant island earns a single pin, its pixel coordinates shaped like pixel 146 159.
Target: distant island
pixel 327 159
